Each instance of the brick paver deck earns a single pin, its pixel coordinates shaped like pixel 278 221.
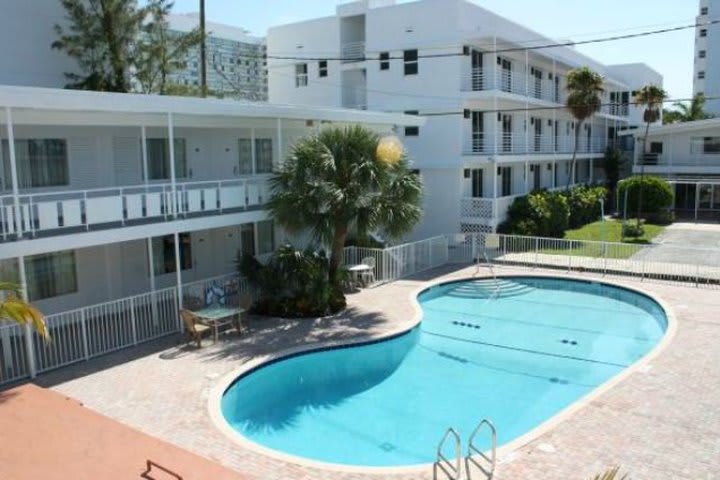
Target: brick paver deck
pixel 660 422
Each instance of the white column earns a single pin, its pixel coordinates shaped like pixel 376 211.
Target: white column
pixel 13 171
pixel 143 148
pixel 29 347
pixel 527 103
pixel 280 140
pixel 252 151
pixel 554 173
pixel 173 174
pixel 178 274
pixel 153 286
pixel 552 84
pixel 495 189
pixel 527 177
pixel 495 102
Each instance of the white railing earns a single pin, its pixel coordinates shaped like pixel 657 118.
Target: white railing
pixel 694 265
pixel 687 160
pixel 95 330
pixel 400 261
pixel 477 207
pixel 353 52
pixel 87 209
pixel 479 79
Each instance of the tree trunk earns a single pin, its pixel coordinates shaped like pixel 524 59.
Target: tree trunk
pixel 642 172
pixel 338 245
pixel 574 157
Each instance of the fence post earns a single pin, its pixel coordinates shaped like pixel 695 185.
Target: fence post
pixel 697 274
pixel 537 252
pixel 132 321
pixel 570 256
pixel 605 245
pixel 83 326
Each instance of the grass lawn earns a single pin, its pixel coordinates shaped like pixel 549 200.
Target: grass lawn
pixel 609 231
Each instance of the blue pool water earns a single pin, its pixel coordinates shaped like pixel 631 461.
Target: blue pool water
pixel 516 352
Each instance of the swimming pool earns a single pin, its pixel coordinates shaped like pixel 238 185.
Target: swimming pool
pixel 517 351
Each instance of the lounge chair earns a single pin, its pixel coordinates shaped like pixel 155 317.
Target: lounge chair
pixel 194 328
pixel 245 303
pixel 368 277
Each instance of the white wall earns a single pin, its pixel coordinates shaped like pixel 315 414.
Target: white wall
pixel 26 34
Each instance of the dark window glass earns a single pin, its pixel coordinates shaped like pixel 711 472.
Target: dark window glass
pixel 385 61
pixel 410 58
pixel 323 68
pixel 412 131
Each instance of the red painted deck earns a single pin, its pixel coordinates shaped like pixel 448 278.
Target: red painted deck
pixel 44 435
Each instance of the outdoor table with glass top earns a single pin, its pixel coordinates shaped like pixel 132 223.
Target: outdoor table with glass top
pixel 357 270
pixel 216 316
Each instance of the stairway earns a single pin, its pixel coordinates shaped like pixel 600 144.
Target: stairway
pixel 489 288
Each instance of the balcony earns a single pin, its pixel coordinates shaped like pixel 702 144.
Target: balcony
pixel 504 81
pixel 353 52
pixel 520 144
pixel 691 164
pixel 57 213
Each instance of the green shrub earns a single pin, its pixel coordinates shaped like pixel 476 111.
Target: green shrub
pixel 633 230
pixel 542 213
pixel 657 195
pixel 584 202
pixel 294 283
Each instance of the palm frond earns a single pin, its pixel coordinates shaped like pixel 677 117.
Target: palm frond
pixel 612 474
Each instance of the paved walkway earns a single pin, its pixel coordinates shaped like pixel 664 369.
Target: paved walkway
pixel 663 422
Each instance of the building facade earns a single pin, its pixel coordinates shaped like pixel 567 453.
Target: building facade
pixel 688 155
pixel 236 63
pixel 114 196
pixel 496 127
pixel 706 74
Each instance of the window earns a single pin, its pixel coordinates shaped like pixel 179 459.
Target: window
pixel 40 163
pixel 412 131
pixel 703 10
pixel 263 156
pixel 701 74
pixel 656 147
pixel 158 161
pixel 506 181
pixel 384 60
pixel 323 68
pixel 164 253
pixel 266 237
pixel 703 32
pixel 411 62
pixel 702 54
pixel 711 145
pixel 301 75
pixel 51 275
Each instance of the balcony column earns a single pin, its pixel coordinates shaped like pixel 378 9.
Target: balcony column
pixel 527 102
pixel 527 177
pixel 493 83
pixel 13 173
pixel 496 113
pixel 29 344
pixel 554 174
pixel 143 151
pixel 280 139
pixel 552 84
pixel 178 276
pixel 495 188
pixel 173 182
pixel 253 153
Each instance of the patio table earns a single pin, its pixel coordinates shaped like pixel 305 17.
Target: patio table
pixel 357 270
pixel 218 315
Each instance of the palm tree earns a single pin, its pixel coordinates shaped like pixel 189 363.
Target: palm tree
pixel 684 112
pixel 584 87
pixel 15 309
pixel 651 97
pixel 345 178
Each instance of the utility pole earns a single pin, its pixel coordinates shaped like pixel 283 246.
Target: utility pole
pixel 203 53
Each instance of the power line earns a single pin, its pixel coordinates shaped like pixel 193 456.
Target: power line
pixel 507 50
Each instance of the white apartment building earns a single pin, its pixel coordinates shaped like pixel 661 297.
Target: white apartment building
pixel 127 201
pixel 496 127
pixel 688 155
pixel 235 59
pixel 706 75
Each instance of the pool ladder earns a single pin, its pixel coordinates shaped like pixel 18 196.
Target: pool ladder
pixel 492 272
pixel 475 460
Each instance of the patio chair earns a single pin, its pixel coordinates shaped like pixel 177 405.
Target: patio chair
pixel 194 328
pixel 245 303
pixel 368 277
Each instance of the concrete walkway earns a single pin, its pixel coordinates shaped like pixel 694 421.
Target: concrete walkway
pixel 662 422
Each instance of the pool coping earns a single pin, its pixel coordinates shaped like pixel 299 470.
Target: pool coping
pixel 503 453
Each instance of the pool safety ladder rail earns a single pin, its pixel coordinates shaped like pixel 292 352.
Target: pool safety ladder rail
pixel 484 463
pixel 452 470
pixel 492 272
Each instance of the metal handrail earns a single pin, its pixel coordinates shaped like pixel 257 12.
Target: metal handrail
pixel 474 452
pixel 452 470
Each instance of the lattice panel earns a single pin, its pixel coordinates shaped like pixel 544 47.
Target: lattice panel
pixel 475 228
pixel 476 208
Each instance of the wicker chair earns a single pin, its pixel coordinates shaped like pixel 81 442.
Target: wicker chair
pixel 194 328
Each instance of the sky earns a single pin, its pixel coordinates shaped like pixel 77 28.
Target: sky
pixel 671 53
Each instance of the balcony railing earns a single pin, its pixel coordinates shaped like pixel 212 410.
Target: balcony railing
pixel 353 52
pixel 64 211
pixel 510 82
pixel 520 144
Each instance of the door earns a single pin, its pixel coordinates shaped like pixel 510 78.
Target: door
pixel 505 74
pixel 477 70
pixel 478 139
pixel 507 133
pixel 506 181
pixel 536 86
pixel 476 177
pixel 537 134
pixel 537 171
